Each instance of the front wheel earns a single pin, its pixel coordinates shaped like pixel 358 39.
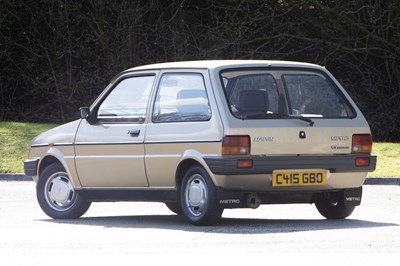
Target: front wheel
pixel 198 198
pixel 174 207
pixel 333 209
pixel 56 195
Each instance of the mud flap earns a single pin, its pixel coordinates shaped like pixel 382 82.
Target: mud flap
pixel 231 199
pixel 352 197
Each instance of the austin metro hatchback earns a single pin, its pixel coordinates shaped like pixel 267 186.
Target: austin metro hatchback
pixel 204 136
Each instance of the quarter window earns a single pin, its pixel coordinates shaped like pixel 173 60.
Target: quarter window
pixel 181 97
pixel 127 102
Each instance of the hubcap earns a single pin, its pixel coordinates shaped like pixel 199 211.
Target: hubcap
pixel 59 192
pixel 334 204
pixel 196 195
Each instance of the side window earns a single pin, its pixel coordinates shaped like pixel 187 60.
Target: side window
pixel 127 102
pixel 181 97
pixel 314 95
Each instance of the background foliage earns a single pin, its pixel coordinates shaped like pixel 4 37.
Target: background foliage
pixel 57 55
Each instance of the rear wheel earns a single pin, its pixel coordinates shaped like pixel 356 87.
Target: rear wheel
pixel 198 196
pixel 333 209
pixel 57 196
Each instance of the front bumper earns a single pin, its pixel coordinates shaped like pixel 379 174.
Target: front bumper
pixel 223 165
pixel 30 167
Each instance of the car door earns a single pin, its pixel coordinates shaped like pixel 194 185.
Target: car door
pixel 109 151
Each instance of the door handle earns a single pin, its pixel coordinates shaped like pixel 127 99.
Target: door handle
pixel 134 132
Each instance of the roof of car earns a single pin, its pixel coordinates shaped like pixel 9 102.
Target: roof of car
pixel 208 64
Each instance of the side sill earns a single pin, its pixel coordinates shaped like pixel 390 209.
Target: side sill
pixel 106 195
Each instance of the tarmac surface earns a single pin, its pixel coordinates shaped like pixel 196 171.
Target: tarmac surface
pixel 134 232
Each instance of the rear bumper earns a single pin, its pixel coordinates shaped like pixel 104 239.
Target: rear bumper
pixel 220 165
pixel 30 167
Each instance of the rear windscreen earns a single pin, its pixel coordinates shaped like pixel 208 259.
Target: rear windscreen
pixel 253 94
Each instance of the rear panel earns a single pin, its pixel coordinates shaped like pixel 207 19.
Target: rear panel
pixel 288 112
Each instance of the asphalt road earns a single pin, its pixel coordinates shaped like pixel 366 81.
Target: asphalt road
pixel 145 229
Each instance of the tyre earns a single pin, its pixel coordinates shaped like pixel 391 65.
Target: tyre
pixel 333 209
pixel 174 207
pixel 198 198
pixel 56 195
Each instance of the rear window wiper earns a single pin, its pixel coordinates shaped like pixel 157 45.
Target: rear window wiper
pixel 306 119
pixel 285 116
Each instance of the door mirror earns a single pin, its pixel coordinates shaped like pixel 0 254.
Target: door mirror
pixel 85 112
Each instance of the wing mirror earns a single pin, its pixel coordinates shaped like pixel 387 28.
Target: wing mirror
pixel 86 114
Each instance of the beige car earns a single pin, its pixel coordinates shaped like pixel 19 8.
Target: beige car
pixel 203 136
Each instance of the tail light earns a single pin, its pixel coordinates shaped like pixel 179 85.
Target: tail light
pixel 236 145
pixel 361 143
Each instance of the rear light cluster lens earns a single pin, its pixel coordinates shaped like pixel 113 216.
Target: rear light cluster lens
pixel 236 145
pixel 361 143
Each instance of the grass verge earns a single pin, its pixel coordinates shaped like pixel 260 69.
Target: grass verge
pixel 15 139
pixel 388 164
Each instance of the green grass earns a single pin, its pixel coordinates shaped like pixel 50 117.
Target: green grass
pixel 15 139
pixel 388 164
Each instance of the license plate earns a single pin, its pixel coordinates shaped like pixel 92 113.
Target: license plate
pixel 284 178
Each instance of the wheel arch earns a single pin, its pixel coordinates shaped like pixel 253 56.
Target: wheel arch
pixel 45 162
pixel 54 155
pixel 191 158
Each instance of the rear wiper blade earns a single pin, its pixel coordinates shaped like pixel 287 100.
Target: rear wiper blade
pixel 275 115
pixel 306 119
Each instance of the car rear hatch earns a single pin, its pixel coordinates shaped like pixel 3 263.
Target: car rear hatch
pixel 291 111
pixel 291 118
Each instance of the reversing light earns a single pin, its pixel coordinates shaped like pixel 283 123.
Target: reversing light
pixel 361 143
pixel 236 145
